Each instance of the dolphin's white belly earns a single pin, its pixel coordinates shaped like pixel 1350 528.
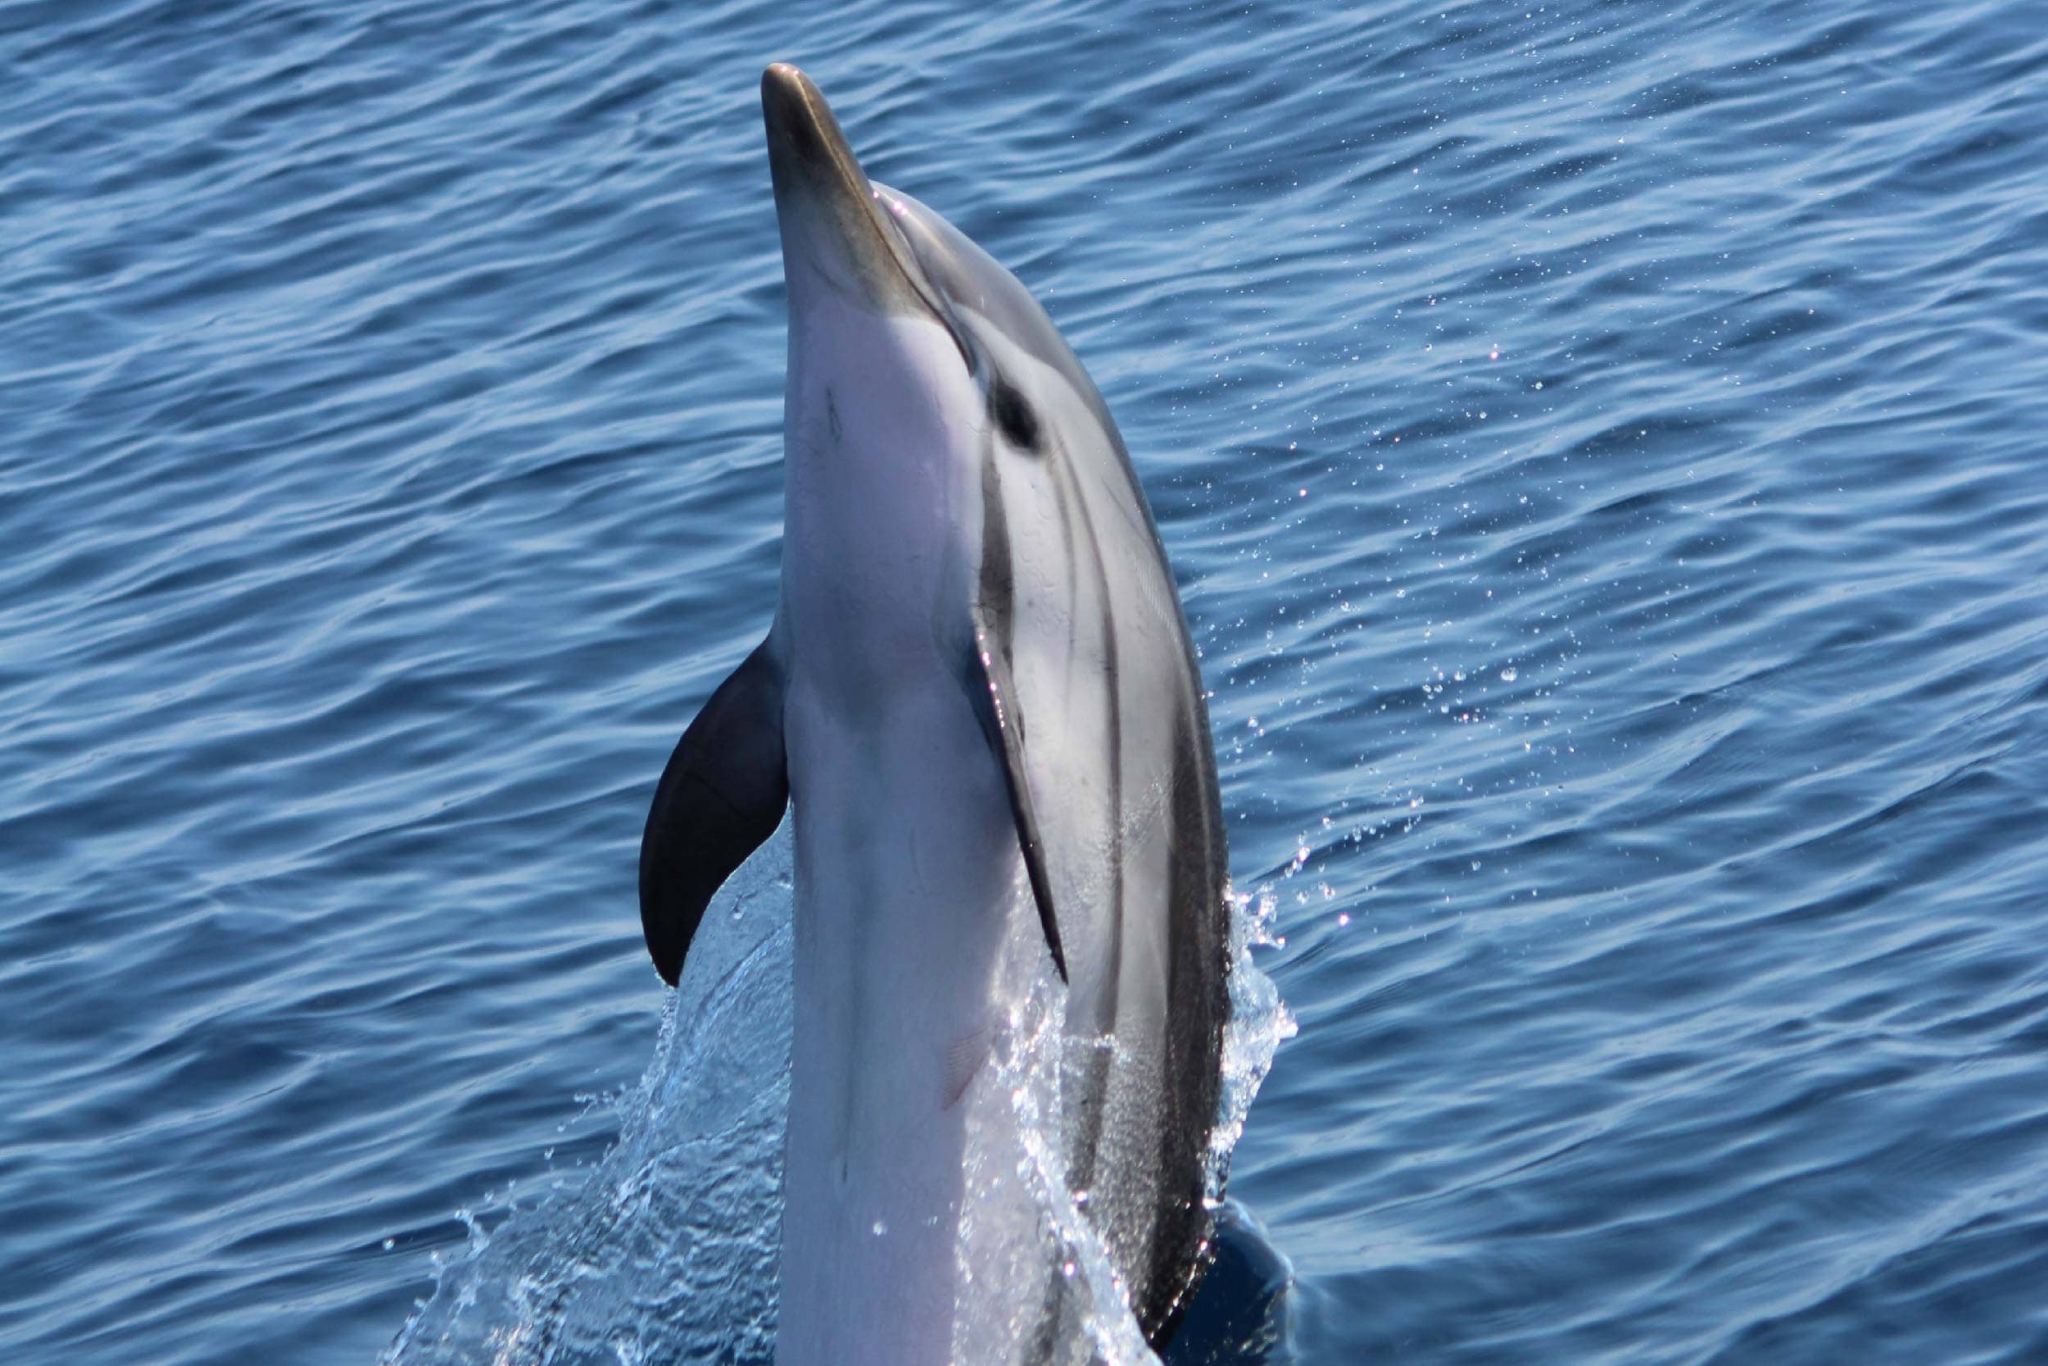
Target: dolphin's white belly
pixel 909 932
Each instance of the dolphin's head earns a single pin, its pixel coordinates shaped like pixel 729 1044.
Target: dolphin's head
pixel 922 376
pixel 882 249
pixel 836 233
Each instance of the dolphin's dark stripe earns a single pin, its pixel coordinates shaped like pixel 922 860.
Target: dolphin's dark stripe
pixel 1198 965
pixel 996 583
pixel 993 697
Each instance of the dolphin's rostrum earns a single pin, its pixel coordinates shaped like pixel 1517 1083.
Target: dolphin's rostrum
pixel 979 693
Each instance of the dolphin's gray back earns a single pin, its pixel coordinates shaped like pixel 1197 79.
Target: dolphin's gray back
pixel 1115 744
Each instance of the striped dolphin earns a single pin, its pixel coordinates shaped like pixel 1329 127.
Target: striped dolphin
pixel 979 695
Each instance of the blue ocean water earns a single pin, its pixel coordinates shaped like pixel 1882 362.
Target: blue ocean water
pixel 1601 445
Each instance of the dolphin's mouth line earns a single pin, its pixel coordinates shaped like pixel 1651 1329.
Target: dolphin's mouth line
pixel 905 256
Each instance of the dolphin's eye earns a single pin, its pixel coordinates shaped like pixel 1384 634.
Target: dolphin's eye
pixel 1012 415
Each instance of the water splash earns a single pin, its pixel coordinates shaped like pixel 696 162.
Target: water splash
pixel 1259 1023
pixel 668 1252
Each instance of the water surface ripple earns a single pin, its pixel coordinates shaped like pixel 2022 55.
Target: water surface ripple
pixel 1601 447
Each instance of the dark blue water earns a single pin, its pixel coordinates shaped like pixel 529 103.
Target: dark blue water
pixel 1604 447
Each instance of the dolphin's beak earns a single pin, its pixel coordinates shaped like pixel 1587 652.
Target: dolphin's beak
pixel 833 229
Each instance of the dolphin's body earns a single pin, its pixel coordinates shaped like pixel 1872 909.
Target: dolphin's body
pixel 980 694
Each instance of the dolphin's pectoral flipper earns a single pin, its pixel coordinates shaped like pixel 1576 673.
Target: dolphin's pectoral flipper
pixel 721 795
pixel 994 695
